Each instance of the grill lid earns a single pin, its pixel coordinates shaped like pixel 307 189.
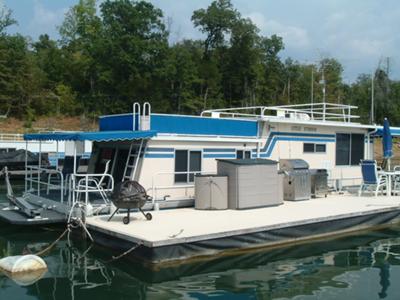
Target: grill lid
pixel 293 164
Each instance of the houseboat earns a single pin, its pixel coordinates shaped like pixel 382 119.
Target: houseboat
pixel 165 152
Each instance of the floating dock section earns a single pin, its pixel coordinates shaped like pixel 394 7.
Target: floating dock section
pixel 181 234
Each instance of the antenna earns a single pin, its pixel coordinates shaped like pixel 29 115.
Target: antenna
pixel 372 97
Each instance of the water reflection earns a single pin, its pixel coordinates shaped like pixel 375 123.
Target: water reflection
pixel 363 266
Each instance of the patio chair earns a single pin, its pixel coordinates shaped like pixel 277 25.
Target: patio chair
pixel 67 170
pixel 95 183
pixel 372 180
pixel 396 180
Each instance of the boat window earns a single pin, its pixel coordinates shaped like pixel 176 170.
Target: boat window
pixel 194 164
pixel 241 154
pixel 181 165
pixel 187 161
pixel 321 148
pixel 308 148
pixel 357 149
pixel 314 148
pixel 349 149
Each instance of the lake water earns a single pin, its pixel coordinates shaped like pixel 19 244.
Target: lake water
pixel 362 266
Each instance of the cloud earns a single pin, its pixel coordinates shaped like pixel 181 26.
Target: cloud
pixel 45 20
pixel 293 36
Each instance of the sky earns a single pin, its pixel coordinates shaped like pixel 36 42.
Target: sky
pixel 361 34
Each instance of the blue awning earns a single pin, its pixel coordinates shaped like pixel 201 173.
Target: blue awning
pixel 97 136
pixel 394 131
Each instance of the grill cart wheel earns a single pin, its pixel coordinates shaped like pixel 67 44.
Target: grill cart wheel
pixel 125 220
pixel 149 216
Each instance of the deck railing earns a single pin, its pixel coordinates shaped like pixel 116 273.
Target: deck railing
pixel 11 137
pixel 34 177
pixel 305 112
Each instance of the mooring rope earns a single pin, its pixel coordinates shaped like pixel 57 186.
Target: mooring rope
pixel 41 252
pixel 114 258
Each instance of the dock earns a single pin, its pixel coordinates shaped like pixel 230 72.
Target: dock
pixel 177 235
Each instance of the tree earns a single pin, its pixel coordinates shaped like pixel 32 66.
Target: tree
pixel 273 82
pixel 134 50
pixel 244 57
pixel 215 22
pixel 6 19
pixel 331 70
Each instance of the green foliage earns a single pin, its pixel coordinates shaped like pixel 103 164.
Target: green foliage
pixel 112 55
pixel 6 19
pixel 215 21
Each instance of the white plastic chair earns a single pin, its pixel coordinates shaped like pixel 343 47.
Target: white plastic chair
pixel 95 184
pixel 396 180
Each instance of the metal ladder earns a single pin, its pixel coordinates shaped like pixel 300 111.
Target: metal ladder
pixel 132 161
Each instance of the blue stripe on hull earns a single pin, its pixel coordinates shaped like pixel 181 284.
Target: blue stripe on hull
pixel 158 155
pixel 219 150
pixel 219 155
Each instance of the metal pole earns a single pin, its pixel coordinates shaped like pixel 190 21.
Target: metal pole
pixel 312 91
pixel 40 165
pixel 372 98
pixel 56 155
pixel 26 166
pixel 73 175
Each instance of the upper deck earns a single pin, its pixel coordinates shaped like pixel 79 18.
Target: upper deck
pixel 236 122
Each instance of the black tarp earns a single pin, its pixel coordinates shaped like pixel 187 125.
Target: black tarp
pixel 15 160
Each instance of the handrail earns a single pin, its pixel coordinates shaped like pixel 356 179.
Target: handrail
pixel 135 110
pixel 145 122
pixel 40 171
pixel 312 111
pixel 11 137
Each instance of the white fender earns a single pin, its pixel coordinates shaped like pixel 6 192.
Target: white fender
pixel 22 263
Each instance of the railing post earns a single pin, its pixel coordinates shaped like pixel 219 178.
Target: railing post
pixel 26 166
pixel 136 110
pixel 40 165
pixel 62 187
pixel 86 190
pixel 349 114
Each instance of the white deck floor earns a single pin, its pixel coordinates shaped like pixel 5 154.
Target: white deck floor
pixel 188 225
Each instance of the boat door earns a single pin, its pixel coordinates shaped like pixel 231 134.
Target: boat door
pixel 119 164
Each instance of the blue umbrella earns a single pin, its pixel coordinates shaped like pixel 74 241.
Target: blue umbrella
pixel 387 140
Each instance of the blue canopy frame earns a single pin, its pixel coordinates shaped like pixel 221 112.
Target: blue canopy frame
pixel 95 136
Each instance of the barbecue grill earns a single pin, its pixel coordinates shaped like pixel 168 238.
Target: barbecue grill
pixel 129 195
pixel 296 184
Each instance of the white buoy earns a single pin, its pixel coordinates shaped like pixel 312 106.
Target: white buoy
pixel 23 269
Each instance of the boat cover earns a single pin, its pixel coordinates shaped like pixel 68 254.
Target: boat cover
pixel 14 159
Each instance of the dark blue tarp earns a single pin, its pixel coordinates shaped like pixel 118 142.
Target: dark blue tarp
pixel 98 136
pixel 387 140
